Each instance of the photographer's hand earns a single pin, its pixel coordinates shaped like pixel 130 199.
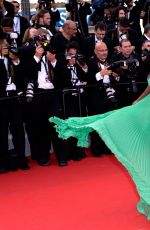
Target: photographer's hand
pixel 114 74
pixel 84 67
pixel 3 51
pixel 14 58
pixel 105 71
pixel 117 48
pixel 39 52
pixel 3 7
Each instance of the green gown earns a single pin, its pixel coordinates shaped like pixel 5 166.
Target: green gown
pixel 127 133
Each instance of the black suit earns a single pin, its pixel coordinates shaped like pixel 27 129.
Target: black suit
pixel 9 8
pixel 134 18
pixel 24 24
pixel 139 44
pixel 97 102
pixel 90 43
pixel 126 92
pixel 79 13
pixel 45 104
pixel 114 36
pixel 73 100
pixel 11 115
pixel 59 43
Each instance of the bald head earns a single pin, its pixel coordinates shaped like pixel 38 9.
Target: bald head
pixel 69 29
pixel 69 23
pixel 101 50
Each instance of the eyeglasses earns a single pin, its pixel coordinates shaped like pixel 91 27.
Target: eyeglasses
pixel 16 6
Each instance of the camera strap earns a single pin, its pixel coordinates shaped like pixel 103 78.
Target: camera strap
pixel 48 69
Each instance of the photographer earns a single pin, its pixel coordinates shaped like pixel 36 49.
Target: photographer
pixel 145 11
pixel 44 100
pixel 73 71
pixel 98 13
pixel 117 13
pixel 99 35
pixel 50 5
pixel 6 9
pixel 11 115
pixel 43 20
pixel 145 62
pixel 133 9
pixel 102 96
pixel 123 31
pixel 145 37
pixel 128 72
pixel 7 28
pixel 20 23
pixel 44 4
pixel 79 9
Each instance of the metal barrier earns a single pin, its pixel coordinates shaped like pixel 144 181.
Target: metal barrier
pixel 73 89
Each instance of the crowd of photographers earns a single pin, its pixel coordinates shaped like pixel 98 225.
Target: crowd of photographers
pixel 48 72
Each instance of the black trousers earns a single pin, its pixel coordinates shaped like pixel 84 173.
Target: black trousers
pixel 11 117
pixel 74 105
pixel 40 131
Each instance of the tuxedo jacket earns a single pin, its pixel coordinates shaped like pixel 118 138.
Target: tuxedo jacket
pixel 63 74
pixel 139 44
pixel 80 15
pixel 24 24
pixel 17 79
pixel 93 68
pixel 89 45
pixel 134 18
pixel 113 35
pixel 59 43
pixel 123 73
pixel 30 68
pixel 96 92
pixel 10 10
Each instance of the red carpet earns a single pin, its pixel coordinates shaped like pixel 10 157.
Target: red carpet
pixel 93 194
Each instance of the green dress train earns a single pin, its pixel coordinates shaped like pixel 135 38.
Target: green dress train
pixel 127 133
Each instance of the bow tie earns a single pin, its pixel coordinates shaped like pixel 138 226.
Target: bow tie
pixel 102 62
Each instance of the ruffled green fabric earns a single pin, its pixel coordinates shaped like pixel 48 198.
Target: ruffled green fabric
pixel 127 133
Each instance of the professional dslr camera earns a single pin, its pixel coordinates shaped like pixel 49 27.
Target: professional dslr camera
pixel 133 65
pixel 79 57
pixel 45 4
pixel 145 53
pixel 11 38
pixel 43 41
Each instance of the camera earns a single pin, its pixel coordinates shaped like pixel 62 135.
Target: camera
pixel 43 40
pixel 79 57
pixel 145 53
pixel 13 50
pixel 131 63
pixel 45 4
